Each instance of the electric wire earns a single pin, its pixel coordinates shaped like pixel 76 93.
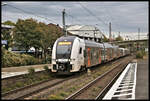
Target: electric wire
pixel 31 13
pixel 91 13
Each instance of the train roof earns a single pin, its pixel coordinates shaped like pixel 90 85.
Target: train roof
pixel 67 38
pixel 108 45
pixel 87 42
pixel 93 44
pixel 115 47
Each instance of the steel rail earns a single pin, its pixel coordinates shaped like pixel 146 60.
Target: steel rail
pixel 77 93
pixel 21 96
pixel 23 89
pixel 109 85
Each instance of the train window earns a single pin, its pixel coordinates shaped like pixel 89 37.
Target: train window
pixel 102 52
pixel 91 55
pixel 97 54
pixel 84 53
pixel 80 51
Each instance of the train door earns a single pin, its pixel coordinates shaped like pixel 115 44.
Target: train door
pixel 88 55
pixel 81 56
pixel 112 53
pixel 108 54
pixel 100 56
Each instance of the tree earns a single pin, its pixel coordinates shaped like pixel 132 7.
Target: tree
pixel 119 38
pixel 25 34
pixel 57 32
pixel 30 33
pixel 5 35
pixel 105 39
pixel 9 23
pixel 48 35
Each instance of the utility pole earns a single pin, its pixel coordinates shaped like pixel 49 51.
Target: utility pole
pixel 110 32
pixel 94 33
pixel 63 21
pixel 138 33
pixel 138 46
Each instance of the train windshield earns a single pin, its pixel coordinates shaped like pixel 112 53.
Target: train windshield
pixel 63 50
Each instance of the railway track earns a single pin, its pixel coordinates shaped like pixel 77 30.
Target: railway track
pixel 30 90
pixel 98 86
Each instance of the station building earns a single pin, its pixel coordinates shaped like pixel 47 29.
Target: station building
pixel 86 32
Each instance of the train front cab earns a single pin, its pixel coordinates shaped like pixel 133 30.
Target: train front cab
pixel 67 55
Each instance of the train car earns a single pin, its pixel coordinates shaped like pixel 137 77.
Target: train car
pixel 71 54
pixel 109 52
pixel 122 52
pixel 127 51
pixel 116 52
pixel 64 54
pixel 94 55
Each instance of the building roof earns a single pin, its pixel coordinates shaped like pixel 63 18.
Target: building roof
pixel 84 31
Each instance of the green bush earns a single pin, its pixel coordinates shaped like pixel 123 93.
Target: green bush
pixel 31 71
pixel 15 59
pixel 48 60
pixel 139 54
pixel 46 68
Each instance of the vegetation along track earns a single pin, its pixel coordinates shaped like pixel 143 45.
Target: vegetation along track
pixel 31 89
pixel 96 88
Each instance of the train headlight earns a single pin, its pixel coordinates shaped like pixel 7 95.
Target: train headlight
pixel 72 59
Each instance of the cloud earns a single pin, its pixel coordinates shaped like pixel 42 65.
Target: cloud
pixel 124 16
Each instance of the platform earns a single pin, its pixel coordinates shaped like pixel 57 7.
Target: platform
pixel 14 71
pixel 142 86
pixel 132 83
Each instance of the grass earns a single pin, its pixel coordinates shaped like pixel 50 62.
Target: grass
pixel 94 89
pixel 55 97
pixel 72 89
pixel 28 79
pixel 63 94
pixel 69 88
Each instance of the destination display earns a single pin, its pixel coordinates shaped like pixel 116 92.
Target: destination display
pixel 64 43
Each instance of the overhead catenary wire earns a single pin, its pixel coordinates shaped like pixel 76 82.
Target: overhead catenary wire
pixel 73 17
pixel 31 13
pixel 69 15
pixel 91 13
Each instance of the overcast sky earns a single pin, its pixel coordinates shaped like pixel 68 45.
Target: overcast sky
pixel 125 17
